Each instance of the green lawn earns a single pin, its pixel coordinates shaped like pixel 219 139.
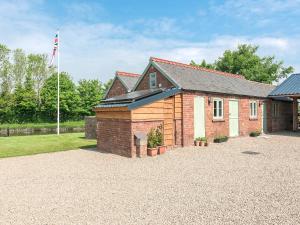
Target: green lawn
pixel 43 125
pixel 35 144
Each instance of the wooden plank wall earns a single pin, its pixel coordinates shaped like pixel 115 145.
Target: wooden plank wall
pixel 169 121
pixel 178 106
pixel 167 110
pixel 153 111
pixel 113 113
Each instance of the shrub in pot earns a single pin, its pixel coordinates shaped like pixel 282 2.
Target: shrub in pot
pixel 204 141
pixel 159 140
pixel 152 143
pixel 198 141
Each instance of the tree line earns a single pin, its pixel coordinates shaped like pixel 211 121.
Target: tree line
pixel 28 90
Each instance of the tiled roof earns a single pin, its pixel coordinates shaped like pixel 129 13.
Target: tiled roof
pixel 129 79
pixel 290 87
pixel 200 79
pixel 196 67
pixel 120 73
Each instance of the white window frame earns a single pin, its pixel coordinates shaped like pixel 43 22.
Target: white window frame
pixel 253 109
pixel 152 78
pixel 275 109
pixel 218 116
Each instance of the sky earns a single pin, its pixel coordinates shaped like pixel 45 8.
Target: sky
pixel 100 37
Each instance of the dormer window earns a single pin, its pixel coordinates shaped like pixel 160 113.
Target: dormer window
pixel 152 80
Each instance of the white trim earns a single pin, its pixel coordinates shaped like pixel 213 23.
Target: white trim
pixel 253 115
pixel 218 117
pixel 153 76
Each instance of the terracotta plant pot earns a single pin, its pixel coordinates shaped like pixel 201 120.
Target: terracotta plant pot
pixel 162 149
pixel 152 152
pixel 201 143
pixel 197 143
pixel 206 144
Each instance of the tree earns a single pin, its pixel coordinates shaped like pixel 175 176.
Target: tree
pixel 19 66
pixel 69 98
pixel 6 111
pixel 203 64
pixel 25 105
pixel 38 69
pixel 107 85
pixel 245 61
pixel 5 71
pixel 90 92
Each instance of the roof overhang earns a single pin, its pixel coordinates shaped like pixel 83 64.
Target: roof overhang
pixel 130 105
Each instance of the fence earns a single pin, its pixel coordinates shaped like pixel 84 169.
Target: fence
pixel 6 132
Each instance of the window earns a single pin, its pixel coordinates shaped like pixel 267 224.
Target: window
pixel 253 109
pixel 218 109
pixel 275 109
pixel 152 80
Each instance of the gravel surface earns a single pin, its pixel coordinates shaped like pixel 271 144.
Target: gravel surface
pixel 222 184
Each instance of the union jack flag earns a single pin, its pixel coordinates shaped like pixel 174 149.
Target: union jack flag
pixel 54 49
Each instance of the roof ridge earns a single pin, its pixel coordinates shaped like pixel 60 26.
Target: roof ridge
pixel 127 74
pixel 196 67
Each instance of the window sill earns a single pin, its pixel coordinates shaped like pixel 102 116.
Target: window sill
pixel 253 119
pixel 218 120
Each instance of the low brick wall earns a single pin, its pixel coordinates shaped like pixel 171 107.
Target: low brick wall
pixel 4 132
pixel 114 136
pixel 90 127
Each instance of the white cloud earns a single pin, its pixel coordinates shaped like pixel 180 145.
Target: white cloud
pixel 97 50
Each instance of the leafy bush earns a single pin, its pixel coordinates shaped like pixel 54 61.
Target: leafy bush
pixel 155 137
pixel 198 139
pixel 254 133
pixel 220 139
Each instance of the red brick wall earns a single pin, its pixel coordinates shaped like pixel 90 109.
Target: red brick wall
pixel 114 135
pixel 144 84
pixel 217 128
pixel 187 119
pixel 116 89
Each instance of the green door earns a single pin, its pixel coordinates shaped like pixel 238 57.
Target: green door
pixel 264 118
pixel 199 117
pixel 233 118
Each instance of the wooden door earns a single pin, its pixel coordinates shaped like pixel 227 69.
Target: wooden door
pixel 233 118
pixel 199 117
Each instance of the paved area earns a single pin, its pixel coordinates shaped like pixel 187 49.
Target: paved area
pixel 244 181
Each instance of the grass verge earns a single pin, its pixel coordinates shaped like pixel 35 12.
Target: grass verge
pixel 36 144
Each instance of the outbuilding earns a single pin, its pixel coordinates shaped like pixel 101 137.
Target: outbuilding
pixel 188 102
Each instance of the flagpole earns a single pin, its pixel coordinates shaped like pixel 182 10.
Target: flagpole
pixel 58 37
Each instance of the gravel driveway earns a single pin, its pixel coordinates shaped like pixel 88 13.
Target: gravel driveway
pixel 244 181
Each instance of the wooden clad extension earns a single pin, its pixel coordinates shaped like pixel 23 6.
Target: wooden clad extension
pixel 167 111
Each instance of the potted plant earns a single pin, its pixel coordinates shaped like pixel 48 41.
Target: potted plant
pixel 204 140
pixel 159 141
pixel 198 141
pixel 152 143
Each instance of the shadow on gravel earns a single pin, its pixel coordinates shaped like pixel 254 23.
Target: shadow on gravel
pixel 251 153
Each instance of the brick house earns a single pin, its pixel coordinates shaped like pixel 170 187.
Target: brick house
pixel 188 102
pixel 122 83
